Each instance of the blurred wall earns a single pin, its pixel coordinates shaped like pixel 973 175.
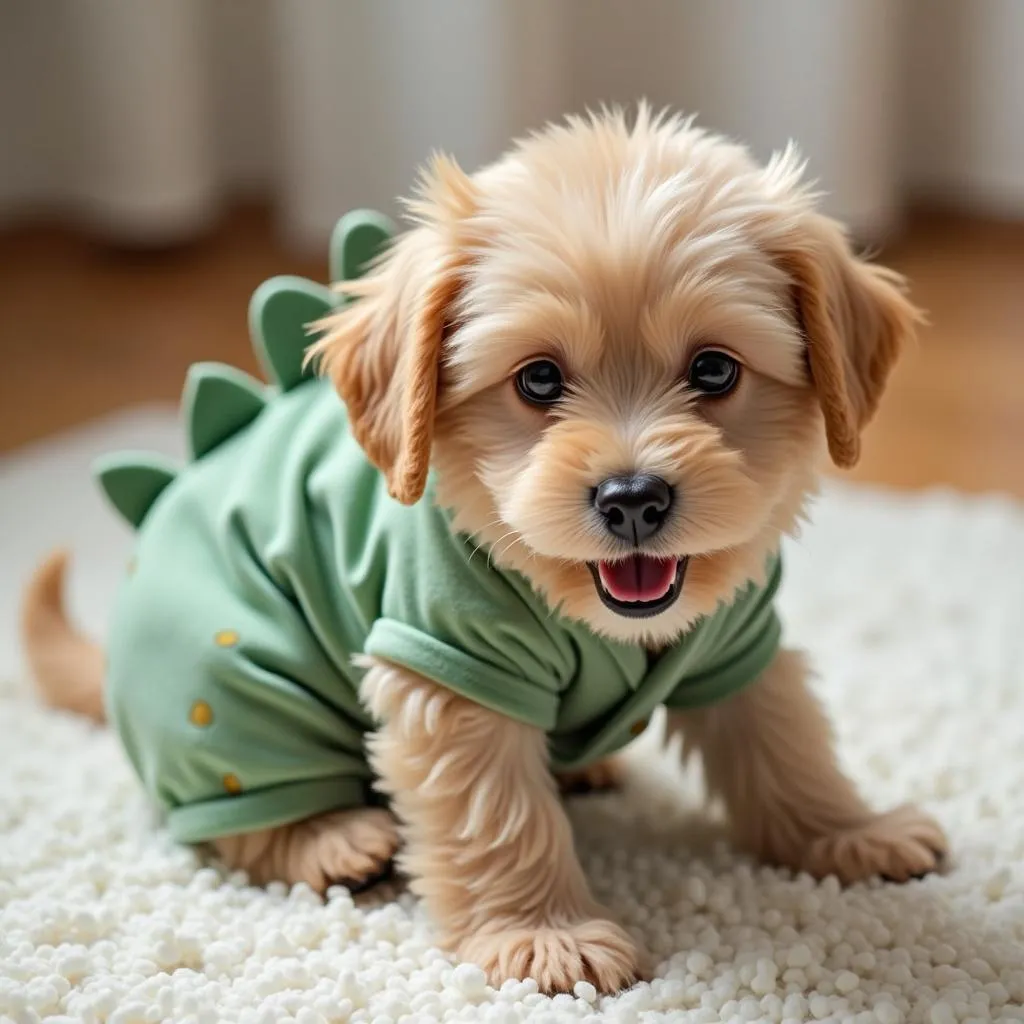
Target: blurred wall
pixel 964 78
pixel 142 119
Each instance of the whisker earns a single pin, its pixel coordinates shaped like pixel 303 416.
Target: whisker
pixel 508 547
pixel 515 540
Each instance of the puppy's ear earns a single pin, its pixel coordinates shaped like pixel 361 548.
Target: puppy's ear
pixel 383 351
pixel 856 319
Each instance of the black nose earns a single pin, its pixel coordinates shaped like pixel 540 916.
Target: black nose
pixel 634 507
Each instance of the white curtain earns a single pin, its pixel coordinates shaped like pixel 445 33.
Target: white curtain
pixel 141 120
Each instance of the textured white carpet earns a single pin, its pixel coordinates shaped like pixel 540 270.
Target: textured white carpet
pixel 914 610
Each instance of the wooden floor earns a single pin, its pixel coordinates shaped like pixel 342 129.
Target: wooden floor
pixel 84 330
pixel 954 413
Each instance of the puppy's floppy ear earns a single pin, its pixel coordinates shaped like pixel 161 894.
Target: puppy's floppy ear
pixel 383 351
pixel 856 319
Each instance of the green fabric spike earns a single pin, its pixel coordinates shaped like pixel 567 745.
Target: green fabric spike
pixel 133 481
pixel 279 313
pixel 357 238
pixel 218 402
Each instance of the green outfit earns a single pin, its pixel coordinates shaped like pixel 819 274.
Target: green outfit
pixel 276 556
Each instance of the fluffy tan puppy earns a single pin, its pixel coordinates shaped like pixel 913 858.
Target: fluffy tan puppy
pixel 609 298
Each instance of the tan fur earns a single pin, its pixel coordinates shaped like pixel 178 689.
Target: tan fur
pixel 618 251
pixel 768 754
pixel 67 666
pixel 489 848
pixel 598 777
pixel 342 847
pixel 856 320
pixel 383 353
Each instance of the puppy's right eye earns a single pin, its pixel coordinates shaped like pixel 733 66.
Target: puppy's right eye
pixel 540 382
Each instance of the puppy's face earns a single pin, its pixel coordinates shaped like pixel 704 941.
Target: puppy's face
pixel 637 337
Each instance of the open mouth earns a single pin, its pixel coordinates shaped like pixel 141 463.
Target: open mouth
pixel 640 585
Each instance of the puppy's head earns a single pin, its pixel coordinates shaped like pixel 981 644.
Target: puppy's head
pixel 623 349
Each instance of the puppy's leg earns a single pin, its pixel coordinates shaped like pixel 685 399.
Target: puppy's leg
pixel 488 846
pixel 768 753
pixel 350 848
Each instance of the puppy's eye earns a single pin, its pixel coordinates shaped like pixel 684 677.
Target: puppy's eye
pixel 713 373
pixel 540 382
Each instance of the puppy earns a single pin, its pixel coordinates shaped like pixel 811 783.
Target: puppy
pixel 595 380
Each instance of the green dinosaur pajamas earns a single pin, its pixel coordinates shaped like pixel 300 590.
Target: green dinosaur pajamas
pixel 276 556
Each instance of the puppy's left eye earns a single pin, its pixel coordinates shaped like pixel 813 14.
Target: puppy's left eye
pixel 540 382
pixel 713 373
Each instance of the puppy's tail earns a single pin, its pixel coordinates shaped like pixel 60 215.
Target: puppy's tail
pixel 67 665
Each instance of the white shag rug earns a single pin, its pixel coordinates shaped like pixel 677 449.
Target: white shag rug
pixel 914 611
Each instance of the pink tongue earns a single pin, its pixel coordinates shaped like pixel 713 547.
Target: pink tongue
pixel 638 578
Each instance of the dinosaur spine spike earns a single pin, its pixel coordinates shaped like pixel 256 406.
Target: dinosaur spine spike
pixel 357 239
pixel 280 313
pixel 133 481
pixel 218 402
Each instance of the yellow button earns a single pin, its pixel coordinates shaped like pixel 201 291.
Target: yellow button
pixel 200 714
pixel 231 783
pixel 130 568
pixel 226 638
pixel 638 727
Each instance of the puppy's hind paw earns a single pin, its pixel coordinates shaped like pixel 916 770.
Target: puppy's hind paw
pixel 556 958
pixel 903 844
pixel 352 848
pixel 599 777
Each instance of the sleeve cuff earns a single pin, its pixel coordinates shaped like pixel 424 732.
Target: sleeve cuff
pixel 265 808
pixel 469 677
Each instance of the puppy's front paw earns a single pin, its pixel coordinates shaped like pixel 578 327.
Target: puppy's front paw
pixel 556 958
pixel 902 844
